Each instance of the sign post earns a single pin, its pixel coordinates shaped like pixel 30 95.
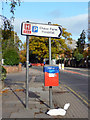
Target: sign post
pixel 44 30
pixel 27 69
pixel 50 87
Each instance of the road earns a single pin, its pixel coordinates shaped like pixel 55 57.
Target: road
pixel 15 97
pixel 76 83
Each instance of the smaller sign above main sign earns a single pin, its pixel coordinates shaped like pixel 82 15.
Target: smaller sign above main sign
pixel 34 29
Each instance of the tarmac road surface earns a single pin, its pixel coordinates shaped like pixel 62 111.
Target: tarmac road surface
pixel 75 79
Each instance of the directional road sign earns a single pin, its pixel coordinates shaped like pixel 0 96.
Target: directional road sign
pixel 45 30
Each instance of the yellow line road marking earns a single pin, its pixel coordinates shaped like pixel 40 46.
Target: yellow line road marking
pixel 84 96
pixel 77 94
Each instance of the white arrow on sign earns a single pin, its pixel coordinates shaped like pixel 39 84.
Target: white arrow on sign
pixel 45 30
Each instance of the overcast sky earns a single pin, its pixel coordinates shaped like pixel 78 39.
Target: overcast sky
pixel 71 15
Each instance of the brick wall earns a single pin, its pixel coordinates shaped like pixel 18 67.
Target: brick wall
pixel 12 69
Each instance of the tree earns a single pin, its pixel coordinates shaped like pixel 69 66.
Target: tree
pixel 78 56
pixel 86 53
pixel 81 42
pixel 68 53
pixel 6 22
pixel 13 4
pixel 11 56
pixel 10 38
pixel 40 45
pixel 8 43
pixel 22 55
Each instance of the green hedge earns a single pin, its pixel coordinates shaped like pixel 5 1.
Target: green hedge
pixel 11 57
pixel 2 73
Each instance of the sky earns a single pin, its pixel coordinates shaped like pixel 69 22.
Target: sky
pixel 71 15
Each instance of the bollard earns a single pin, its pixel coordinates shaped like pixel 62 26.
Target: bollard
pixel 62 66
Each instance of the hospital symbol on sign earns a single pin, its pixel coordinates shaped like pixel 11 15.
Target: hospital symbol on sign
pixel 27 28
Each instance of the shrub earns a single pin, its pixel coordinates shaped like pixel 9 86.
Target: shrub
pixel 11 57
pixel 2 73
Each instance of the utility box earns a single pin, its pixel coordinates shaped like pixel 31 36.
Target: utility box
pixel 51 75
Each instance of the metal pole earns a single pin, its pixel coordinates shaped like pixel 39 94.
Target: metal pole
pixel 27 69
pixel 50 96
pixel 49 47
pixel 50 87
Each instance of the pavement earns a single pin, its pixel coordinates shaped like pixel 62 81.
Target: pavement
pixel 13 99
pixel 80 71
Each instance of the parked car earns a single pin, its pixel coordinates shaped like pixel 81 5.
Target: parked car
pixel 30 64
